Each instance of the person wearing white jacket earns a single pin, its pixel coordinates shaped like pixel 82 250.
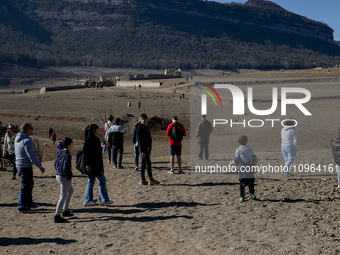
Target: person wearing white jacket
pixel 289 144
pixel 115 138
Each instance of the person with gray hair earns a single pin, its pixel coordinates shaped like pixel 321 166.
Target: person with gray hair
pixel 25 157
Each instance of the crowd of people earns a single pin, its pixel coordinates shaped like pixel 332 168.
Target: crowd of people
pixel 18 148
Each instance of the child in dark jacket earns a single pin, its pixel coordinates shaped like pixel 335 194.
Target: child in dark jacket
pixel 64 175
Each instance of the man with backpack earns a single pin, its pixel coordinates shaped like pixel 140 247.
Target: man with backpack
pixel 115 139
pixel 175 132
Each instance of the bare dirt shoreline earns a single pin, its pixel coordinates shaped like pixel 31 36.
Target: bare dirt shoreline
pixel 183 215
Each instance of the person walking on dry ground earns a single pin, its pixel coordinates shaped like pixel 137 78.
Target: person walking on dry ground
pixel 145 145
pixel 138 104
pixel 107 126
pixel 54 137
pixel 116 140
pixel 24 157
pixel 135 144
pixel 50 131
pixel 288 145
pixel 129 105
pixel 104 146
pixel 64 175
pixel 175 132
pixel 93 159
pixel 203 131
pixel 1 162
pixel 245 159
pixel 335 144
pixel 8 148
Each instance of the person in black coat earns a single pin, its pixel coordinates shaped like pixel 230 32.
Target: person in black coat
pixel 203 131
pixel 145 143
pixel 93 160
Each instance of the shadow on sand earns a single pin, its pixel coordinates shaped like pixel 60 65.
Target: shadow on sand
pixel 4 241
pixel 206 184
pixel 134 219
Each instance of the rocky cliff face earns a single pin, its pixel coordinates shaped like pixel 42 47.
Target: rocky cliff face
pixel 161 34
pixel 260 13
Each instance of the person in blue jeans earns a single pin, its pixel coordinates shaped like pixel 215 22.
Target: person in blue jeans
pixel 64 176
pixel 93 159
pixel 25 156
pixel 288 145
pixel 145 142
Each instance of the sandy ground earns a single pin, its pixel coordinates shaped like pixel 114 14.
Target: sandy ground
pixel 183 215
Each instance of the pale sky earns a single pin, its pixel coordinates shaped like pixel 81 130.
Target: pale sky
pixel 326 11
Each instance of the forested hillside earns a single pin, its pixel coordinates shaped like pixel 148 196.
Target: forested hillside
pixel 162 34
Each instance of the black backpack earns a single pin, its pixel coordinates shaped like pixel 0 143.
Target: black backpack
pixel 177 135
pixel 80 163
pixel 117 138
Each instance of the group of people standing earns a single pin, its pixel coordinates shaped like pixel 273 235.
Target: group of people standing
pixel 142 142
pixel 25 157
pixel 93 162
pixel 19 149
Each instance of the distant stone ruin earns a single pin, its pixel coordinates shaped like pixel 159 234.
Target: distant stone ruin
pixel 173 72
pixel 168 73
